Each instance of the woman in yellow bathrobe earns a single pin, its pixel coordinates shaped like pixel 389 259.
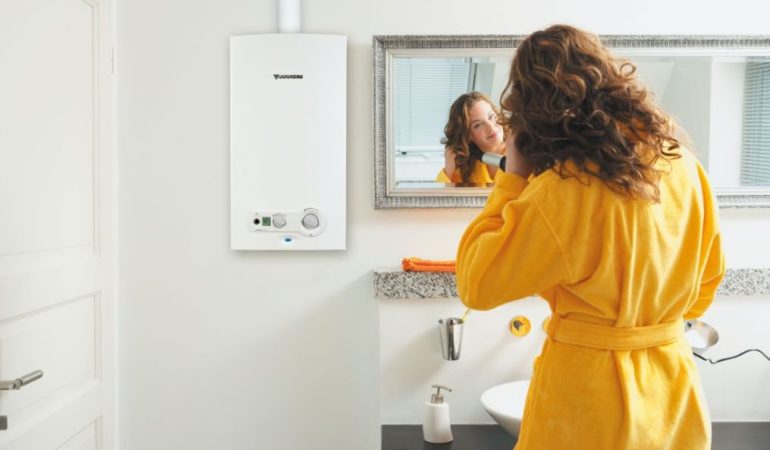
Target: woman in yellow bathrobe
pixel 606 216
pixel 473 121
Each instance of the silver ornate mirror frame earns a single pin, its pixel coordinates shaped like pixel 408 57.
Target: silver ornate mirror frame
pixel 385 47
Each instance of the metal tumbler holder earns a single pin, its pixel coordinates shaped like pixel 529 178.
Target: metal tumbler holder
pixel 451 332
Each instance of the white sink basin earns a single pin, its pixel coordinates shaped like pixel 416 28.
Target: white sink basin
pixel 505 403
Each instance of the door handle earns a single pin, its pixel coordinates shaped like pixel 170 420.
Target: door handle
pixel 18 383
pixel 10 385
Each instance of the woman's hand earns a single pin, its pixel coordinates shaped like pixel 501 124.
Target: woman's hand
pixel 515 161
pixel 449 162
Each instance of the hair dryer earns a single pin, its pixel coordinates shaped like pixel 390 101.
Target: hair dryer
pixel 493 159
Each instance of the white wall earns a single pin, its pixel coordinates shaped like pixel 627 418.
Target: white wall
pixel 728 81
pixel 688 99
pixel 228 350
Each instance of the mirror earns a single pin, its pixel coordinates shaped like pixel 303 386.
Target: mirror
pixel 716 88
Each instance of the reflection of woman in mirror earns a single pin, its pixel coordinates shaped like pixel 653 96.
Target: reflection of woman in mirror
pixel 473 121
pixel 602 213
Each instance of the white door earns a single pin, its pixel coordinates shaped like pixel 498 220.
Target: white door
pixel 56 224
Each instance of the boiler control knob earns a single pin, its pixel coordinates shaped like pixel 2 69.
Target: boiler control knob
pixel 279 221
pixel 310 221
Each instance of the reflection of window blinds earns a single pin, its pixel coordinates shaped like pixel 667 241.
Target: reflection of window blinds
pixel 755 158
pixel 423 91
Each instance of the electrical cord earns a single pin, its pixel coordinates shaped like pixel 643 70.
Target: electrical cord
pixel 732 357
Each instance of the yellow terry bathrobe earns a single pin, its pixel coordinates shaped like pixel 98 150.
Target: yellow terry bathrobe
pixel 479 175
pixel 619 275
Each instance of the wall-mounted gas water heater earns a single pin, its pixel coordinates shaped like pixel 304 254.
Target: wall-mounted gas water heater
pixel 287 141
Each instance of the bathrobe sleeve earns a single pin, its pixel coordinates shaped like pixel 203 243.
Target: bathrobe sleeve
pixel 714 264
pixel 510 251
pixel 712 277
pixel 442 177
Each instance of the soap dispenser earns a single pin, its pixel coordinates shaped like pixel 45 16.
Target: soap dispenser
pixel 435 427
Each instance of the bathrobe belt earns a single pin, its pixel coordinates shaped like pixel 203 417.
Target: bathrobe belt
pixel 613 338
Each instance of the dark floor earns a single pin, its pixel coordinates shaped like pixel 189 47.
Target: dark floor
pixel 727 436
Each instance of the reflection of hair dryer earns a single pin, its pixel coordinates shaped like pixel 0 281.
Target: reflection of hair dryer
pixel 493 159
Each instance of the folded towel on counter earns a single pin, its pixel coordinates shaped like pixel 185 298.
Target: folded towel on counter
pixel 426 265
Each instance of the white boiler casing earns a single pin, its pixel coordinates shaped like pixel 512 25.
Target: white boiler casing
pixel 288 142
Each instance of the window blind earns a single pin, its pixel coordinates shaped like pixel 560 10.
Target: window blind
pixel 423 91
pixel 755 157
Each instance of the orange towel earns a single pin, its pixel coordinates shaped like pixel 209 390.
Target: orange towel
pixel 426 265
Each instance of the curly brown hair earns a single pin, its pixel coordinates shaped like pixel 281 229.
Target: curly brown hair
pixel 569 99
pixel 457 130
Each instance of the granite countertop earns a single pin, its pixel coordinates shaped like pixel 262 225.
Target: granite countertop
pixel 726 436
pixel 394 283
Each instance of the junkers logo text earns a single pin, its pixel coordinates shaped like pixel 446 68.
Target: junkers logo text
pixel 281 77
